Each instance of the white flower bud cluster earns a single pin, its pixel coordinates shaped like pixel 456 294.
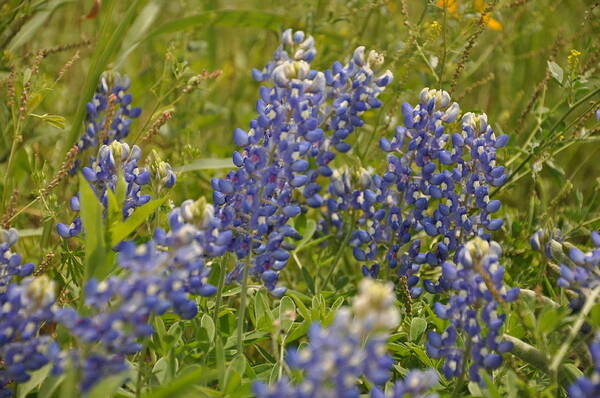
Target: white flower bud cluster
pixel 375 306
pixel 38 293
pixel 477 248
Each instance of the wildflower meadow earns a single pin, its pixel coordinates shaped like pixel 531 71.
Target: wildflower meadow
pixel 299 199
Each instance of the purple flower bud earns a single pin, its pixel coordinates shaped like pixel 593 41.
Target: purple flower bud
pixel 240 137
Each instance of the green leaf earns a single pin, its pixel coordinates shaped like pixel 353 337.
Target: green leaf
pixel 29 30
pixel 160 370
pixel 307 234
pixel 120 230
pixel 302 309
pixel 233 376
pixel 264 317
pixel 97 259
pixel 49 385
pixel 492 390
pixel 53 120
pixel 209 325
pixel 287 313
pixel 310 282
pixel 142 24
pixel 233 18
pixel 556 71
pixel 108 385
pixel 595 315
pixel 549 320
pixel 417 328
pixel 180 384
pixel 206 164
pixel 511 384
pixel 114 213
pixel 37 377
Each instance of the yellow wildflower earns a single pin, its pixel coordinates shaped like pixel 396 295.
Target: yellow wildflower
pixel 479 5
pixel 573 59
pixel 451 6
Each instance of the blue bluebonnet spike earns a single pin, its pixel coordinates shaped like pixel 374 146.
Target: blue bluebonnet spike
pixel 304 116
pixel 437 182
pixel 24 306
pixel 475 284
pixel 352 347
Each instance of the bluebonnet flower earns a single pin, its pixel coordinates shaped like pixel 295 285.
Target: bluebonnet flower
pixel 11 264
pixel 114 159
pixel 303 115
pixel 476 292
pixel 112 87
pixel 24 306
pixel 579 271
pixel 416 384
pixel 434 195
pixel 589 387
pixel 582 273
pixel 156 281
pixel 352 347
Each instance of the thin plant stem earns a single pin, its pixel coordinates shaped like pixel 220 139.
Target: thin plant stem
pixel 243 304
pixel 339 253
pixel 548 140
pixel 587 307
pixel 461 378
pixel 444 48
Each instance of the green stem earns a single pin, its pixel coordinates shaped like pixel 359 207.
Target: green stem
pixel 243 304
pixel 547 141
pixel 338 255
pixel 444 48
pixel 219 299
pixel 141 367
pixel 219 350
pixel 536 358
pixel 587 307
pixel 461 378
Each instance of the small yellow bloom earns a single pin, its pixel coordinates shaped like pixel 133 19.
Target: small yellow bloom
pixel 491 22
pixel 450 5
pixel 433 30
pixel 573 59
pixel 479 5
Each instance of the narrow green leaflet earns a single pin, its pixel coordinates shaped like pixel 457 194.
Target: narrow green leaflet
pixel 206 164
pixel 108 386
pixel 179 385
pixel 34 24
pixel 120 230
pixel 98 260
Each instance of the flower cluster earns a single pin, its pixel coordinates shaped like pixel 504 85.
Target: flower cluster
pixel 352 347
pixel 584 274
pixel 472 310
pixel 156 281
pixel 303 114
pixel 579 270
pixel 115 160
pixel 589 387
pixel 109 113
pixel 436 185
pixel 24 306
pixel 416 384
pixel 580 275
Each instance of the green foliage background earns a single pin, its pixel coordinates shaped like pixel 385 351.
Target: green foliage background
pixel 537 79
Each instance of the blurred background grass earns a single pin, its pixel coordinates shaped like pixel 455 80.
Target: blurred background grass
pixel 524 63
